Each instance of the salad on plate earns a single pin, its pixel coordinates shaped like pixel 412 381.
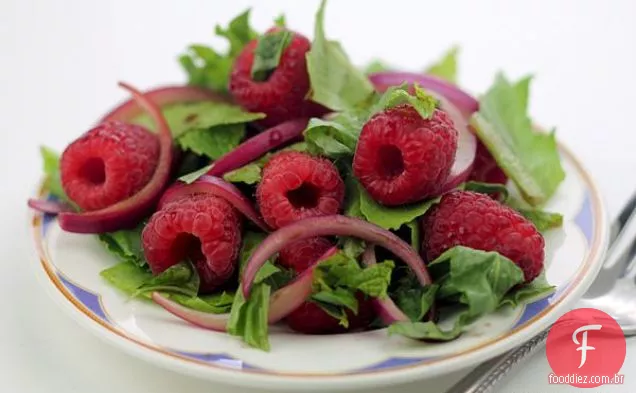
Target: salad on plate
pixel 283 184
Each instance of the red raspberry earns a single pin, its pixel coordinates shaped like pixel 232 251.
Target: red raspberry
pixel 485 168
pixel 282 96
pixel 296 186
pixel 311 319
pixel 299 255
pixel 464 218
pixel 108 164
pixel 402 157
pixel 202 228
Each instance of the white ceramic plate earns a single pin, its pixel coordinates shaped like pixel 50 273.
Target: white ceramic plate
pixel 69 266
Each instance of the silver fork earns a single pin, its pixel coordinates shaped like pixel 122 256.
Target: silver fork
pixel 613 291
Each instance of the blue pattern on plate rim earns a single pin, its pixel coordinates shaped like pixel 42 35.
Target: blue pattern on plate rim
pixel 584 220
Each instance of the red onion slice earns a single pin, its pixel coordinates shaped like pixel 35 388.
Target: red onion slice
pixel 466 147
pixel 130 211
pixel 50 207
pixel 217 187
pixel 216 322
pixel 282 302
pixel 164 96
pixel 462 100
pixel 387 310
pixel 258 145
pixel 334 225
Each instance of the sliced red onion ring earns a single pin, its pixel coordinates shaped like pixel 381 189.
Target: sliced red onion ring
pixel 50 207
pixel 334 225
pixel 466 147
pixel 462 100
pixel 164 96
pixel 218 187
pixel 216 322
pixel 282 302
pixel 258 145
pixel 130 211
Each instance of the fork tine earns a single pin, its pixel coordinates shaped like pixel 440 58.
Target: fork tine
pixel 626 214
pixel 630 257
pixel 620 253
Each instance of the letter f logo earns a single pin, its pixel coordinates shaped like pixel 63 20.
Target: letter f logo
pixel 584 347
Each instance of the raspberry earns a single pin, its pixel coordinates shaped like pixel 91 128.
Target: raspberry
pixel 108 164
pixel 402 157
pixel 303 253
pixel 282 96
pixel 464 218
pixel 202 228
pixel 309 318
pixel 296 186
pixel 485 168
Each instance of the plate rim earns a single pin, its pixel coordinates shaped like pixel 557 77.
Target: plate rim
pixel 348 380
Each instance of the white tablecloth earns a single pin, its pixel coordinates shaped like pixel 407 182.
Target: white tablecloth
pixel 60 62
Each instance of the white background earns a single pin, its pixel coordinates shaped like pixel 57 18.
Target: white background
pixel 60 62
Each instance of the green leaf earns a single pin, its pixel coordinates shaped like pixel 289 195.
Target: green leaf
pixel 335 82
pixel 338 297
pixel 478 279
pixel 529 158
pixel 335 270
pixel 248 174
pixel 202 115
pixel 193 176
pixel 539 288
pixel 125 245
pixel 446 67
pixel 352 247
pixel 352 195
pixel 487 188
pixel 191 162
pixel 251 173
pixel 51 167
pixel 248 318
pixel 481 281
pixel 341 270
pixel 213 142
pixel 413 299
pixel 181 278
pixel 376 66
pixel 209 68
pixel 129 277
pixel 414 228
pixel 423 102
pixel 373 280
pixel 337 312
pixel 425 330
pixel 280 21
pixel 238 33
pixel 126 276
pixel 218 303
pixel 541 219
pixel 268 53
pixel 331 138
pixel 391 217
